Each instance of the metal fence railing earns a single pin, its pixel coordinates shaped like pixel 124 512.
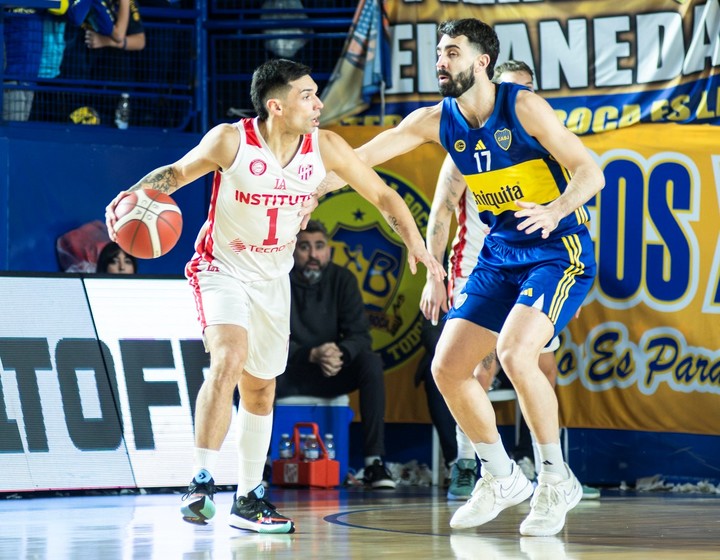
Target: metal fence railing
pixel 83 85
pixel 194 71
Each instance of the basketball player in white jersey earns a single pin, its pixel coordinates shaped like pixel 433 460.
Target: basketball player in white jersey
pixel 264 169
pixel 452 195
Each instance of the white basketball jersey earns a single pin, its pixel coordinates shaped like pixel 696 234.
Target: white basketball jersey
pixel 253 219
pixel 469 239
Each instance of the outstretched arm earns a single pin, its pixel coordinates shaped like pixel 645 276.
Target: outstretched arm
pixel 419 127
pixel 450 187
pixel 338 156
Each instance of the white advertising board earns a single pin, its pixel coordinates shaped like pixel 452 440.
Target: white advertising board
pixel 98 379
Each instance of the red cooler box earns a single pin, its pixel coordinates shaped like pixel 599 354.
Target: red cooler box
pixel 296 471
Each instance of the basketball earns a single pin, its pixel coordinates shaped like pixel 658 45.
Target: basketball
pixel 148 224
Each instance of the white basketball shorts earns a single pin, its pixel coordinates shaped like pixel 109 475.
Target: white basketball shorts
pixel 261 307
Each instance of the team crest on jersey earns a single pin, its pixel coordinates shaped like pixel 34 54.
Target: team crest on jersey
pixel 305 172
pixel 258 167
pixel 503 137
pixel 363 243
pixel 460 145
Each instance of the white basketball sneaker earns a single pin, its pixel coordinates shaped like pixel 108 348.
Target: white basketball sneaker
pixel 490 496
pixel 553 498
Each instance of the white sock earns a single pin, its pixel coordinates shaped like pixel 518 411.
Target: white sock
pixel 494 458
pixel 464 445
pixel 551 459
pixel 205 459
pixel 254 434
pixel 536 454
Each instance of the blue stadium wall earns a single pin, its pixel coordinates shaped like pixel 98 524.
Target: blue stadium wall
pixel 54 180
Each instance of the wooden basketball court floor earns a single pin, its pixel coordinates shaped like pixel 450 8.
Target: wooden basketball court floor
pixel 358 524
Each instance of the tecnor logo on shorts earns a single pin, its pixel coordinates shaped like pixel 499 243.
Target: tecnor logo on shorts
pixel 363 242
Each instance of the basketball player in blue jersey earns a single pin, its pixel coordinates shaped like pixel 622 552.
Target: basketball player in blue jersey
pixel 453 197
pixel 530 178
pixel 263 169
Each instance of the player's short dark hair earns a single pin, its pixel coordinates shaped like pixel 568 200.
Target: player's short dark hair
pixel 272 79
pixel 512 66
pixel 479 33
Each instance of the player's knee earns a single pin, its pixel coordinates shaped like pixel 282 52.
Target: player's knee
pixel 227 365
pixel 257 395
pixel 441 374
pixel 513 363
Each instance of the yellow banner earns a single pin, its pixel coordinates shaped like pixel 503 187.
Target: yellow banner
pixel 645 352
pixel 601 64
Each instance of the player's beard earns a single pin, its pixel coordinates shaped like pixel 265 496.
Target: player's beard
pixel 458 84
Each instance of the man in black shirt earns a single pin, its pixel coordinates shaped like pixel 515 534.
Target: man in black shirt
pixel 330 344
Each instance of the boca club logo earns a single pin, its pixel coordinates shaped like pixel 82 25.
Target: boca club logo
pixel 503 137
pixel 363 243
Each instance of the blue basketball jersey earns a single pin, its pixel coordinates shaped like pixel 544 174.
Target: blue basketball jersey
pixel 503 164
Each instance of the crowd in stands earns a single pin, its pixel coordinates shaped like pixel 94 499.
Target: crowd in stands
pixel 73 63
pixel 62 64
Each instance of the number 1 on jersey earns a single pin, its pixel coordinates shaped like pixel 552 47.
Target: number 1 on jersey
pixel 271 239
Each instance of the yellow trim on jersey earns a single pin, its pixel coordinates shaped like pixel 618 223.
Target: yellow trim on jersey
pixel 576 268
pixel 498 191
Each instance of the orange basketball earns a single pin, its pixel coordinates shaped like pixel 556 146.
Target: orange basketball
pixel 148 224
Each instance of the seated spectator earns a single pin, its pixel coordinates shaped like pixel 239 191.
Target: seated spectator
pixel 330 345
pixel 113 260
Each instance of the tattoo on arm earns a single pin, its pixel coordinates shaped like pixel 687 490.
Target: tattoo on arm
pixel 393 223
pixel 162 179
pixel 439 228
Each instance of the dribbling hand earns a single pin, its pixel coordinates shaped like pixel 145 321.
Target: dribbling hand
pixel 110 217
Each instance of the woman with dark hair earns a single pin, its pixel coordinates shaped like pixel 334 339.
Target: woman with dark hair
pixel 113 260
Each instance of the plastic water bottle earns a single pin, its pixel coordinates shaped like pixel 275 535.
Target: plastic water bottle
pixel 312 448
pixel 122 112
pixel 330 446
pixel 303 445
pixel 287 447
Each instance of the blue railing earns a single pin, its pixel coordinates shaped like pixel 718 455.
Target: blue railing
pixel 193 73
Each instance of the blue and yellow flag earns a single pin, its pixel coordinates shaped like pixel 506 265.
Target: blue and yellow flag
pixel 363 70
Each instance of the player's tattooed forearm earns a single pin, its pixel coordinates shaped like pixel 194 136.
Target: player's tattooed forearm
pixel 450 204
pixel 439 228
pixel 162 180
pixel 393 223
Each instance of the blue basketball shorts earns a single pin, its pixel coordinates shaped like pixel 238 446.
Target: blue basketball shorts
pixel 554 276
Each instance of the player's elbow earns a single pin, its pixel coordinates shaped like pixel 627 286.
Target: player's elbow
pixel 598 179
